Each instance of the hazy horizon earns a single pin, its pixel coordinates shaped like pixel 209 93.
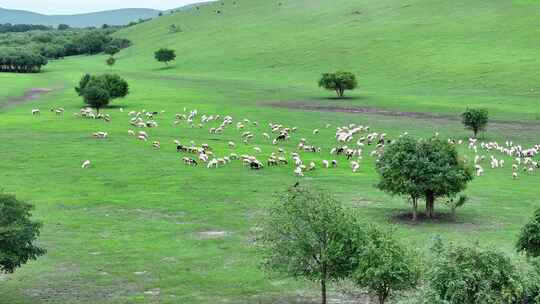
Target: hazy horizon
pixel 65 7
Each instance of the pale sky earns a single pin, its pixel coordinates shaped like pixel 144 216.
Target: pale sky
pixel 85 6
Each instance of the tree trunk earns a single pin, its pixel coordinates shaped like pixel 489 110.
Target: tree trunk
pixel 323 291
pixel 430 205
pixel 414 209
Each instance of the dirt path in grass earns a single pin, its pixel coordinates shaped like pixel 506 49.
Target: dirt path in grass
pixel 29 95
pixel 302 105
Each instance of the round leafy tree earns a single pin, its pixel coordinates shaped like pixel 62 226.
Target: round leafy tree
pixel 469 275
pixel 98 91
pixel 165 55
pixel 308 234
pixel 17 234
pixel 111 61
pixel 529 238
pixel 339 82
pixel 418 169
pixel 96 96
pixel 385 265
pixel 475 120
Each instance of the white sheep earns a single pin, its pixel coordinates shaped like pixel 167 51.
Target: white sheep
pixel 85 164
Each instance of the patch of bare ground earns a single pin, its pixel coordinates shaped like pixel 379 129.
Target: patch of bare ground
pixel 213 234
pixel 29 95
pixel 312 106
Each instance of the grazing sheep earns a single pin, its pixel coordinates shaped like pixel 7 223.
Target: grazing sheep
pixel 257 149
pixel 326 164
pixel 101 135
pixel 131 132
pixel 316 131
pixel 298 171
pixel 35 112
pixel 355 166
pixel 334 163
pixel 85 164
pixel 232 145
pixel 156 145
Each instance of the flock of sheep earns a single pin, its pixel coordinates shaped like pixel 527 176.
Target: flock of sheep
pixel 352 141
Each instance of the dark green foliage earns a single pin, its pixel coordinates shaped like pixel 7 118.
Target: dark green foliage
pixel 112 50
pixel 96 96
pixel 529 238
pixel 21 61
pixel 110 61
pixel 469 275
pixel 92 42
pixel 475 120
pixel 53 51
pixel 339 82
pixel 385 265
pixel 98 91
pixel 63 27
pixel 17 234
pixel 165 55
pixel 21 28
pixel 426 169
pixel 308 234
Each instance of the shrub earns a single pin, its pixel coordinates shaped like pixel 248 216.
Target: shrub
pixel 17 234
pixel 339 82
pixel 475 120
pixel 529 237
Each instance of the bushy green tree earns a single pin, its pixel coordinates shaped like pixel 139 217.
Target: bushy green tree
pixel 110 61
pixel 96 96
pixel 165 55
pixel 469 275
pixel 475 120
pixel 98 91
pixel 339 82
pixel 529 238
pixel 385 265
pixel 21 61
pixel 426 169
pixel 308 234
pixel 17 234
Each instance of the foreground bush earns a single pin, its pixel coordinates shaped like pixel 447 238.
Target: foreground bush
pixel 469 275
pixel 17 234
pixel 308 234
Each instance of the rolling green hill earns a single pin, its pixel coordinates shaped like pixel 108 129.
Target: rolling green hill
pixel 443 54
pixel 111 17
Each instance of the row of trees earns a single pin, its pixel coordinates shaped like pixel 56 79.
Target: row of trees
pixel 21 28
pixel 55 45
pixel 21 61
pixel 308 234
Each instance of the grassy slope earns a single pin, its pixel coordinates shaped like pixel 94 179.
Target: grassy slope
pixel 141 210
pixel 422 55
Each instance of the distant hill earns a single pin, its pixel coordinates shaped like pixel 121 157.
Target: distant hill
pixel 111 17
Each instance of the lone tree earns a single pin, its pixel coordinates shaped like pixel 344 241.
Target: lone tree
pixel 529 238
pixel 426 169
pixel 98 91
pixel 469 275
pixel 17 234
pixel 110 61
pixel 339 82
pixel 165 55
pixel 475 120
pixel 385 265
pixel 308 234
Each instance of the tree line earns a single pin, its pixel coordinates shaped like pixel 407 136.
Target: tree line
pixel 21 28
pixel 54 45
pixel 21 61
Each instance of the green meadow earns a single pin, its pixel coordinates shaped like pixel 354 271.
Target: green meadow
pixel 139 226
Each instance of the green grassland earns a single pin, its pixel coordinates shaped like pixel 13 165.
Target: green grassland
pixel 138 219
